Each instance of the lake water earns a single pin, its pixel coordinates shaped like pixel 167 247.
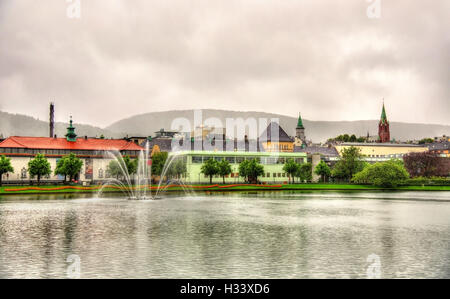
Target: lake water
pixel 227 235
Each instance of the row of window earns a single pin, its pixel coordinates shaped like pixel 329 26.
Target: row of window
pixel 237 160
pixel 101 174
pixel 265 175
pixel 60 152
pixel 386 156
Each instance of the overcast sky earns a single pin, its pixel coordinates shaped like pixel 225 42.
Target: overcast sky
pixel 325 59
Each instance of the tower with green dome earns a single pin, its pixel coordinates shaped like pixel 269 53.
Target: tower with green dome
pixel 300 132
pixel 71 136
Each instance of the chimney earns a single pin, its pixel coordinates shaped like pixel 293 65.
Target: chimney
pixel 52 120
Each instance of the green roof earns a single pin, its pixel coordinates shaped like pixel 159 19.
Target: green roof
pixel 383 116
pixel 71 136
pixel 300 122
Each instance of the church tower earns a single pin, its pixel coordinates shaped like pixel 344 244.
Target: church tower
pixel 300 138
pixel 71 136
pixel 383 128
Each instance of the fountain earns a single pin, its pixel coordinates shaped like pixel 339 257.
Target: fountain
pixel 138 185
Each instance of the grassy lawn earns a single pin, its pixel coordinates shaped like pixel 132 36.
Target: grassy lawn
pixel 93 189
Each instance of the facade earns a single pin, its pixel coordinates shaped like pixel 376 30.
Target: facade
pixel 383 128
pixel 273 165
pixel 93 152
pixel 275 139
pixel 375 152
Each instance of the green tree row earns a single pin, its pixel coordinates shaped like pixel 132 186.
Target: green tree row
pixel 39 166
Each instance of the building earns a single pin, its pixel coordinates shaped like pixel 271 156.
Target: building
pixel 440 148
pixel 275 139
pixel 300 137
pixel 92 151
pixel 273 165
pixel 375 152
pixel 383 128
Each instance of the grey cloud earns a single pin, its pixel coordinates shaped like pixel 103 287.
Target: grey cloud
pixel 323 58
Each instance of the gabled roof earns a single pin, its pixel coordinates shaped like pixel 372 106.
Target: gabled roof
pixel 274 128
pixel 62 143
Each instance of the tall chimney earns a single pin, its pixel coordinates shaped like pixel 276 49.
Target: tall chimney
pixel 52 120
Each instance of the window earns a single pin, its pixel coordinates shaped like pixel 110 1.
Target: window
pixel 239 159
pixel 231 160
pixel 274 175
pixel 197 159
pixel 23 173
pixel 268 174
pixel 100 173
pixel 218 159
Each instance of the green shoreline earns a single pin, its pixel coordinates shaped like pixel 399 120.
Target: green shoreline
pixel 291 187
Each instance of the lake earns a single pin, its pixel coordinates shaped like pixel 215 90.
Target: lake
pixel 227 235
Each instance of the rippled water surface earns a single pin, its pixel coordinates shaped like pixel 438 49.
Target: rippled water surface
pixel 227 235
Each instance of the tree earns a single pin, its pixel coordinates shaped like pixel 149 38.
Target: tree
pixel 426 164
pixel 69 165
pixel 304 172
pixel 349 164
pixel 131 165
pixel 251 170
pixel 426 140
pixel 5 167
pixel 385 174
pixel 224 169
pixel 39 166
pixel 177 168
pixel 323 170
pixel 60 170
pixel 353 138
pixel 72 166
pixel 291 168
pixel 158 161
pixel 210 168
pixel 114 169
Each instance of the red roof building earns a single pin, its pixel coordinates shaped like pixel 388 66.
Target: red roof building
pixel 60 146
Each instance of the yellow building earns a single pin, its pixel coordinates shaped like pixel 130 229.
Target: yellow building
pixel 275 139
pixel 383 150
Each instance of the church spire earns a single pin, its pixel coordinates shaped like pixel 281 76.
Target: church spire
pixel 383 119
pixel 71 136
pixel 384 134
pixel 300 122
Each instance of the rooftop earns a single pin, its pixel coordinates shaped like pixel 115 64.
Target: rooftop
pixel 62 143
pixel 380 144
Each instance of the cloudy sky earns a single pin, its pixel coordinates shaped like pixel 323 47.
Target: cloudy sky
pixel 327 59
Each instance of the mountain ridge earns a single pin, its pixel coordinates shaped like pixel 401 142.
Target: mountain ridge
pixel 145 124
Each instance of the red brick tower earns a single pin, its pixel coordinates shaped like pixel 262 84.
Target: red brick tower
pixel 383 128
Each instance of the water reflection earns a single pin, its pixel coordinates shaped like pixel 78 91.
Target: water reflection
pixel 227 235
